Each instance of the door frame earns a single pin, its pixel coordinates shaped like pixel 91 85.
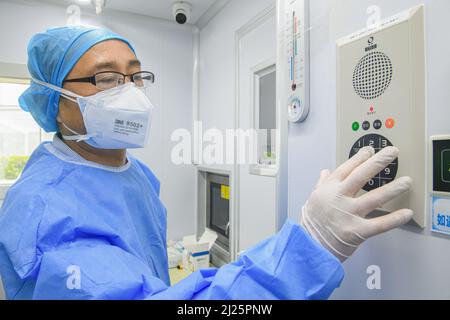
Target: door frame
pixel 251 25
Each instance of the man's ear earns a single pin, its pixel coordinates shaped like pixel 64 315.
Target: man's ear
pixel 58 115
pixel 58 121
pixel 62 104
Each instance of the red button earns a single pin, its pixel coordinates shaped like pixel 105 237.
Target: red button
pixel 390 123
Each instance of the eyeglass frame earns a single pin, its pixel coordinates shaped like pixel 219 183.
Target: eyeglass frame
pixel 92 80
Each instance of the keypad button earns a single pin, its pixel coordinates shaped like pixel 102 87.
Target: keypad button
pixel 390 123
pixel 388 174
pixel 366 125
pixel 377 124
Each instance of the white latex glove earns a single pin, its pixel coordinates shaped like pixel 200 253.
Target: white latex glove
pixel 336 219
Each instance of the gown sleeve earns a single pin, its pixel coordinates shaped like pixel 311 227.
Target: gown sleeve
pixel 289 265
pixel 50 265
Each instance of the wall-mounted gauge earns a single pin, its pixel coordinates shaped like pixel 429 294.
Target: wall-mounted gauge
pixel 297 111
pixel 296 59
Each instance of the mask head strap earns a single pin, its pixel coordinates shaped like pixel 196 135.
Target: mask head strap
pixel 65 93
pixel 72 97
pixel 76 137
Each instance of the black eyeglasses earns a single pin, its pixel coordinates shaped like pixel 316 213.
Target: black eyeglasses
pixel 110 79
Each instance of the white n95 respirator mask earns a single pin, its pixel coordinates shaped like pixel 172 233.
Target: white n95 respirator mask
pixel 117 118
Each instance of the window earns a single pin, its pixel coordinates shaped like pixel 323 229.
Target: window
pixel 265 119
pixel 19 133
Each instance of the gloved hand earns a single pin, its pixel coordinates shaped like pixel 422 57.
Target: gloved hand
pixel 336 219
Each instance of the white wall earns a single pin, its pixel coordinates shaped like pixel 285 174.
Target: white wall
pixel 414 264
pixel 165 49
pixel 217 62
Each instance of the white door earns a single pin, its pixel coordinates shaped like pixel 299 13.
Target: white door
pixel 256 208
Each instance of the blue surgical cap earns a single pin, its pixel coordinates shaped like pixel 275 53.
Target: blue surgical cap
pixel 51 57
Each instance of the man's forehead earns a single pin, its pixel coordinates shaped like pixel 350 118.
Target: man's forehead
pixel 110 54
pixel 107 45
pixel 114 64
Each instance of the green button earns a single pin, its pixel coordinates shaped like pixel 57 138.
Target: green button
pixel 355 126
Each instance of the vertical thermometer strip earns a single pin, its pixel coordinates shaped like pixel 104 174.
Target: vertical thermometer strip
pixel 297 57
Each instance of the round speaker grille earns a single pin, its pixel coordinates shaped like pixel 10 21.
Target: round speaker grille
pixel 372 75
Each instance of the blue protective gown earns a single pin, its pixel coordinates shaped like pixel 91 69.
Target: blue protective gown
pixel 66 216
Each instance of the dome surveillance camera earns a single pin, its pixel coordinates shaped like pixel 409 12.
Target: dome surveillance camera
pixel 181 12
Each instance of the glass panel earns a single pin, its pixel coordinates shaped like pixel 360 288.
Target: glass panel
pixel 267 119
pixel 19 134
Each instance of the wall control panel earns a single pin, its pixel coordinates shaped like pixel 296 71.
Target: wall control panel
pixel 381 102
pixel 440 165
pixel 295 58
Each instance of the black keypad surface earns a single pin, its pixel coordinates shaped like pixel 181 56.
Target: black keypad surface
pixel 378 142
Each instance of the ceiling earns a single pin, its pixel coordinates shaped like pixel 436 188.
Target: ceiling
pixel 154 8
